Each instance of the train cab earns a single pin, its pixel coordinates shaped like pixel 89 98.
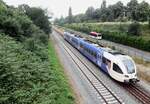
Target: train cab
pixel 120 67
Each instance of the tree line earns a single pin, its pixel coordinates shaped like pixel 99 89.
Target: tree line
pixel 25 75
pixel 133 11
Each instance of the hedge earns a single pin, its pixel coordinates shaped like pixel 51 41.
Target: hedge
pixel 115 36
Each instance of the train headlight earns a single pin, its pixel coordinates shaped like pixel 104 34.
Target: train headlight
pixel 127 76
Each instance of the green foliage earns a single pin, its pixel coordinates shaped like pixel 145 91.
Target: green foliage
pixel 27 77
pixel 116 12
pixel 134 29
pixel 2 6
pixel 22 73
pixel 149 22
pixel 30 72
pixel 16 24
pixel 70 17
pixel 143 11
pixel 90 13
pixel 38 16
pixel 136 42
pixel 131 8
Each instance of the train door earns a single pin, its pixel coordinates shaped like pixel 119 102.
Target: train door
pixel 116 72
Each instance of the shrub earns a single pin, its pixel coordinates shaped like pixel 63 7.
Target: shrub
pixel 22 73
pixel 134 29
pixel 38 16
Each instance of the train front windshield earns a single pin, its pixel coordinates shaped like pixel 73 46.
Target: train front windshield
pixel 129 65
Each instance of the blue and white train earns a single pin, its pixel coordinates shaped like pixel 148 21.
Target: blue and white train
pixel 118 66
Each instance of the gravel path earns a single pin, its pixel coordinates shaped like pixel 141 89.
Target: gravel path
pixel 83 91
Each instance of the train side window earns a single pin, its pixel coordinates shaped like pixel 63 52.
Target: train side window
pixel 99 56
pixel 117 68
pixel 81 45
pixel 95 54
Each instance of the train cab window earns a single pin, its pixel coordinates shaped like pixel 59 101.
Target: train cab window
pixel 117 68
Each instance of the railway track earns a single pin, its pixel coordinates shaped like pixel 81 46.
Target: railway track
pixel 134 89
pixel 104 93
pixel 138 92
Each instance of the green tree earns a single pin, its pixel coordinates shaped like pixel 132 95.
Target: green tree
pixel 118 10
pixel 110 13
pixel 90 13
pixel 103 11
pixel 142 11
pixel 132 9
pixel 2 6
pixel 97 14
pixel 134 29
pixel 38 16
pixel 79 18
pixel 61 21
pixel 70 16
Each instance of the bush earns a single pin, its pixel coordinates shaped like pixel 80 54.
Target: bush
pixel 38 16
pixel 27 74
pixel 134 29
pixel 22 73
pixel 30 76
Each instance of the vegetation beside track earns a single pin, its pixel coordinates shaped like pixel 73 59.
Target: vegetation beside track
pixel 59 84
pixel 116 33
pixel 29 70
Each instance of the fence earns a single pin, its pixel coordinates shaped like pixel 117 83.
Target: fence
pixel 127 50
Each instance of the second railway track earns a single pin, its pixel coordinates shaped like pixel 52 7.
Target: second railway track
pixel 138 92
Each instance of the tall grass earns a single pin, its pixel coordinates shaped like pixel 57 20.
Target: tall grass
pixel 61 92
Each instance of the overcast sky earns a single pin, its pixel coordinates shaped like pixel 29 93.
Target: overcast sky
pixel 60 7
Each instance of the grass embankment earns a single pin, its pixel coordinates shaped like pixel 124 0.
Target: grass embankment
pixel 61 91
pixel 26 78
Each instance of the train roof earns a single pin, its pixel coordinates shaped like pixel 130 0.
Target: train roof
pixel 113 52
